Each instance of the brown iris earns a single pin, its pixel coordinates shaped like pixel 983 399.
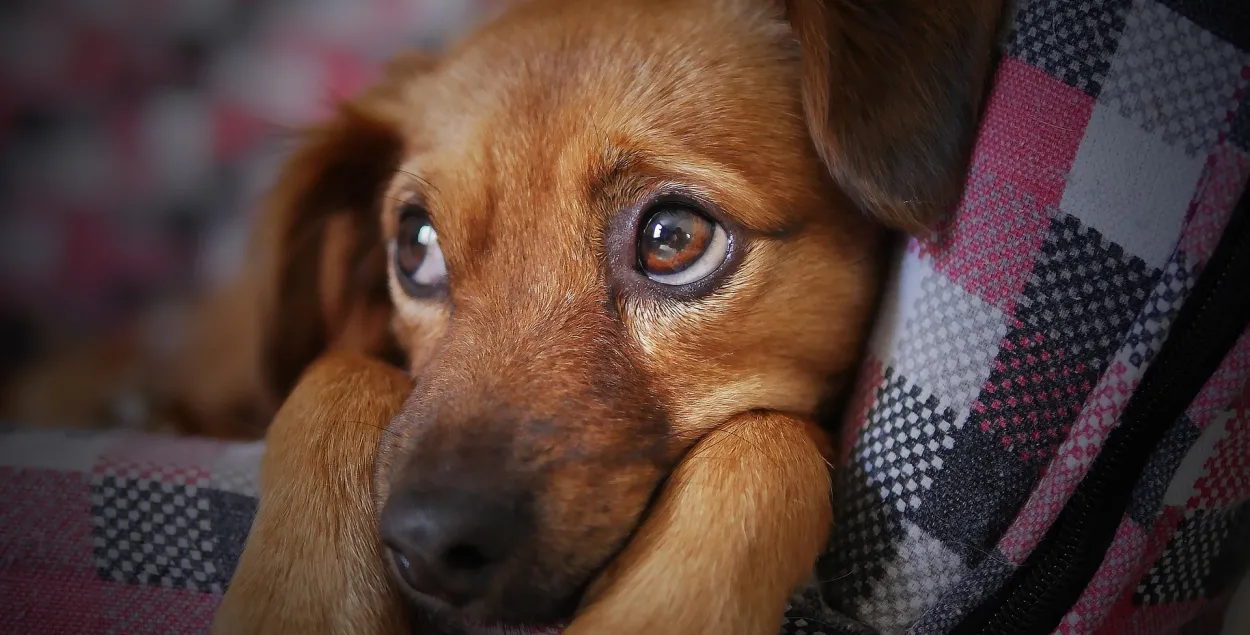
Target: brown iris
pixel 419 261
pixel 409 248
pixel 672 239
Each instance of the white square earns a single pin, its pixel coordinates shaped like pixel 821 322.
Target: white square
pixel 1131 186
pixel 949 337
pixel 914 579
pixel 902 286
pixel 237 470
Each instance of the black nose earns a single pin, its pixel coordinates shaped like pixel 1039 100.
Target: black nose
pixel 449 544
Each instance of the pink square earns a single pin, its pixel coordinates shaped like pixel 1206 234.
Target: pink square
pixel 45 522
pixel 1225 480
pixel 1223 179
pixel 1099 414
pixel 51 603
pixel 1162 618
pixel 1029 137
pixel 989 246
pixel 1031 130
pixel 133 471
pixel 1072 460
pixel 1224 386
pixel 1144 546
pixel 171 458
pixel 139 610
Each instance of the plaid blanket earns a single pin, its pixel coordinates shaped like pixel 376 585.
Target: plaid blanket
pixel 119 533
pixel 1115 146
pixel 1114 149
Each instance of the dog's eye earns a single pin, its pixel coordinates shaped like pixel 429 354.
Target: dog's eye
pixel 678 245
pixel 418 258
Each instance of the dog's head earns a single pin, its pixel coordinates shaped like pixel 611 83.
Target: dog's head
pixel 598 230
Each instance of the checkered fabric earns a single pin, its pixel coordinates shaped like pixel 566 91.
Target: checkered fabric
pixel 119 533
pixel 123 533
pixel 1115 144
pixel 136 137
pixel 1114 147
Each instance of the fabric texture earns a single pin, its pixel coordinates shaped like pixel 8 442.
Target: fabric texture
pixel 1115 144
pixel 1110 158
pixel 136 138
pixel 119 533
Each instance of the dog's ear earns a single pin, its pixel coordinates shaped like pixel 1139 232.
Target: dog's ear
pixel 325 264
pixel 892 91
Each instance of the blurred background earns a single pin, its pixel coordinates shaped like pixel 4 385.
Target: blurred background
pixel 136 137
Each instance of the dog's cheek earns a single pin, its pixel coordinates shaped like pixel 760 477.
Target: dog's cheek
pixel 793 316
pixel 418 326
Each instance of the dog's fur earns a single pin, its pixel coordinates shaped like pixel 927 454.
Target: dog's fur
pixel 668 443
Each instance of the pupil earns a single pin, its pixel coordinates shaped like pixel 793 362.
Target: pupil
pixel 670 234
pixel 411 247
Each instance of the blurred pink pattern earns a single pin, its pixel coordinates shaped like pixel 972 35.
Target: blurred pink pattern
pixel 137 135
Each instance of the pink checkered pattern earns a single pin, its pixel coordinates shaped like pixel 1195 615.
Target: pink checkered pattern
pixel 110 534
pixel 136 137
pixel 105 533
pixel 1114 148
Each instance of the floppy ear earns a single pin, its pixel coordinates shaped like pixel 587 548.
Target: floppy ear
pixel 892 92
pixel 321 237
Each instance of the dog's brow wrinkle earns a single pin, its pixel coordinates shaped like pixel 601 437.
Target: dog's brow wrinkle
pixel 612 168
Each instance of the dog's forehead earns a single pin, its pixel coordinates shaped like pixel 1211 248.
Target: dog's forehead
pixel 515 126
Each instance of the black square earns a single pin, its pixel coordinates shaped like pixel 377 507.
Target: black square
pixel 231 517
pixel 975 496
pixel 1077 307
pixel 866 536
pixel 1072 40
pixel 1176 280
pixel 1240 133
pixel 894 461
pixel 147 531
pixel 1201 560
pixel 1147 499
pixel 901 444
pixel 1229 19
pixel 1084 291
pixel 808 614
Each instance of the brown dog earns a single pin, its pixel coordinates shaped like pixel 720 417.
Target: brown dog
pixel 630 250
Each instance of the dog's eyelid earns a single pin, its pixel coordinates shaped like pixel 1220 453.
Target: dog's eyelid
pixel 722 207
pixel 408 188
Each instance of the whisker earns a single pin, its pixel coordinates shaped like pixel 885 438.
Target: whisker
pixel 385 429
pixel 837 578
pixel 419 179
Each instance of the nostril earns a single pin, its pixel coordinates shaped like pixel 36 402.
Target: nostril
pixel 404 567
pixel 402 561
pixel 467 558
pixel 449 544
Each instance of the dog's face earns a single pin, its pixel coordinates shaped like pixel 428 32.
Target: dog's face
pixel 605 242
pixel 606 228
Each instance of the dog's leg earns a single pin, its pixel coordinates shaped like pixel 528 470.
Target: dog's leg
pixel 312 565
pixel 735 530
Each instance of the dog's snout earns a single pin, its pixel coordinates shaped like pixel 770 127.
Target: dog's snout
pixel 449 544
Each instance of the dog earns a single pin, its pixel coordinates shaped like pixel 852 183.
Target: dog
pixel 627 253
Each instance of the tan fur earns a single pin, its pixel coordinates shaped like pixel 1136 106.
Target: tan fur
pixel 666 441
pixel 525 143
pixel 741 552
pixel 312 563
